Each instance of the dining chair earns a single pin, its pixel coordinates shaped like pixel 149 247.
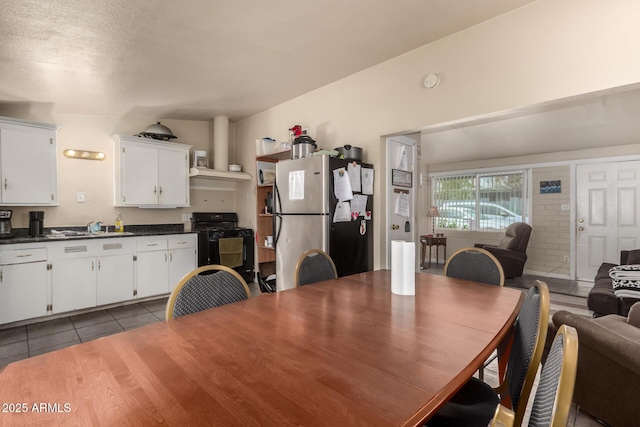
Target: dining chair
pixel 552 401
pixel 314 266
pixel 478 265
pixel 475 264
pixel 204 288
pixel 475 403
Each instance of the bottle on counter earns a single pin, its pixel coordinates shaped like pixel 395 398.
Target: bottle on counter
pixel 119 226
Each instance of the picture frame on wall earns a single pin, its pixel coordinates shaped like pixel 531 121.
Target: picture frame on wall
pixel 550 187
pixel 401 178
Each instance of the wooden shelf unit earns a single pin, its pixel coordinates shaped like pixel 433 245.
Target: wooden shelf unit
pixel 266 255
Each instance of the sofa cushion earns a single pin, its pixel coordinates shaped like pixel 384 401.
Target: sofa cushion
pixel 634 315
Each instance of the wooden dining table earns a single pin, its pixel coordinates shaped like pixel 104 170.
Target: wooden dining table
pixel 337 353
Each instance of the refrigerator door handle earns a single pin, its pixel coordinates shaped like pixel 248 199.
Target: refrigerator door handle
pixel 277 203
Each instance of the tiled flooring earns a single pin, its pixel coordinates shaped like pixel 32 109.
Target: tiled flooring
pixel 558 286
pixel 22 342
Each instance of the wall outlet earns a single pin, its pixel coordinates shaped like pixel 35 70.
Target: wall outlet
pixel 80 197
pixel 566 258
pixel 186 217
pixel 565 207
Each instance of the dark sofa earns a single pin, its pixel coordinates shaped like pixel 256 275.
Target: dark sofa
pixel 601 299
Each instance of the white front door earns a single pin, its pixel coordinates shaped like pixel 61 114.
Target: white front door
pixel 607 214
pixel 401 191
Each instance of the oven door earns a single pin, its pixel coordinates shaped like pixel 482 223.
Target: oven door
pixel 246 269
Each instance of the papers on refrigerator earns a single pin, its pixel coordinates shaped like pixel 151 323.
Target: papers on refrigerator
pixel 296 185
pixel 354 176
pixel 341 185
pixel 367 181
pixel 342 213
pixel 358 205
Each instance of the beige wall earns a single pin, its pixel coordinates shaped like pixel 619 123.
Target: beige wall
pixel 548 50
pixel 95 178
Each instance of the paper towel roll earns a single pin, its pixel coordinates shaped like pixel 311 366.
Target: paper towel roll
pixel 403 257
pixel 408 268
pixel 397 249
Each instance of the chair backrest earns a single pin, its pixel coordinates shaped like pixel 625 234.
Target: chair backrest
pixel 516 237
pixel 552 401
pixel 314 266
pixel 529 337
pixel 475 264
pixel 204 288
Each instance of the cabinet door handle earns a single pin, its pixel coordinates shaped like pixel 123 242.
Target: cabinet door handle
pixel 155 189
pixel 165 257
pixel 5 183
pixel 170 256
pixel 92 266
pixel 99 265
pixel 1 276
pixel 161 189
pixel 23 256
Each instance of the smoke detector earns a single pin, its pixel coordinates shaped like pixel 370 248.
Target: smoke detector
pixel 431 81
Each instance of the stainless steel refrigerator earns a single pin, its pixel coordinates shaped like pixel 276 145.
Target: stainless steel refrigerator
pixel 304 209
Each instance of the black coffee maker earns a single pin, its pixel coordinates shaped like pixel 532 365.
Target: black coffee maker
pixel 36 226
pixel 5 223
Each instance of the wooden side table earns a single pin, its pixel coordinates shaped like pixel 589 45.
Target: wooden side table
pixel 432 241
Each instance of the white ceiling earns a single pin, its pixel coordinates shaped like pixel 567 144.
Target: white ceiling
pixel 196 59
pixel 600 119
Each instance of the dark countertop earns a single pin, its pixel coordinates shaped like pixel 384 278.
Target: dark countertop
pixel 21 235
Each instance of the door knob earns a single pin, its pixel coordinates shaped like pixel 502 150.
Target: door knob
pixel 580 220
pixel 395 226
pixel 580 228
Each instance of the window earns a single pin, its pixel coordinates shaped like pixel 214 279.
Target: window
pixel 480 202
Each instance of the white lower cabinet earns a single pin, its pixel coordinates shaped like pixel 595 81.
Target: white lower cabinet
pixel 162 262
pixel 182 257
pixel 64 276
pixel 151 272
pixel 23 284
pixel 114 279
pixel 86 273
pixel 73 284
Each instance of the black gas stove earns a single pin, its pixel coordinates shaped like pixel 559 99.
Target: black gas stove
pixel 211 228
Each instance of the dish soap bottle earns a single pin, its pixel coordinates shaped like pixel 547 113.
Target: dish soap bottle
pixel 119 227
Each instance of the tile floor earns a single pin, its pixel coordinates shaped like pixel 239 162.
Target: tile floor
pixel 22 342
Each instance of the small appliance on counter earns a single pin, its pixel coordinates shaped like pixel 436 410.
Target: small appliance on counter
pixel 5 224
pixel 36 225
pixel 200 159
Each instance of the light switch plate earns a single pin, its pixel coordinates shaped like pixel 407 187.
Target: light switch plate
pixel 80 197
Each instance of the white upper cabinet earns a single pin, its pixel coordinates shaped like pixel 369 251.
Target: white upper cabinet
pixel 28 166
pixel 150 173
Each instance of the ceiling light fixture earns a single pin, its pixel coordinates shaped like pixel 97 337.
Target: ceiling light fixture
pixel 84 154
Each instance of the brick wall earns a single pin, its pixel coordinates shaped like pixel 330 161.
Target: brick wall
pixel 550 239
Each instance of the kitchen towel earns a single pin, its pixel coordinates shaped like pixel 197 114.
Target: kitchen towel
pixel 403 275
pixel 231 251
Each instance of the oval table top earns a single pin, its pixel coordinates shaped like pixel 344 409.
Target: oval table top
pixel 341 352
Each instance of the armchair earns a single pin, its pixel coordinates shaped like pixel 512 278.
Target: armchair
pixel 511 251
pixel 608 376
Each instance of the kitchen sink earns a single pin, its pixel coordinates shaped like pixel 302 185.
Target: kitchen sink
pixel 69 234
